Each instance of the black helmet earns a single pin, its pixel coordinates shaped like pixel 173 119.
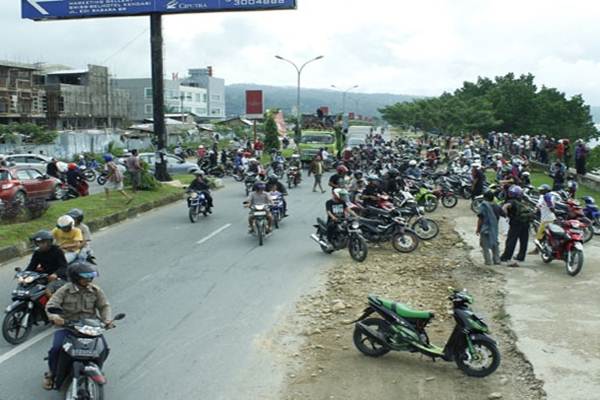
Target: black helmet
pixel 393 172
pixel 488 195
pixel 76 214
pixel 40 236
pixel 81 270
pixel 358 174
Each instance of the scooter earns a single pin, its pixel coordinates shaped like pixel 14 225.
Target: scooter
pixel 401 328
pixel 563 243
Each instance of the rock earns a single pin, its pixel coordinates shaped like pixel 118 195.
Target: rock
pixel 495 396
pixel 338 306
pixel 313 375
pixel 315 332
pixel 430 378
pixel 503 381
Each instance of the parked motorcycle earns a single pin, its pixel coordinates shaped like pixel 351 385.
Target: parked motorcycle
pixel 347 234
pixel 563 243
pixel 404 239
pixel 81 358
pixel 293 177
pixel 27 310
pixel 592 212
pixel 102 177
pixel 197 204
pixel 401 328
pixel 572 210
pixel 446 196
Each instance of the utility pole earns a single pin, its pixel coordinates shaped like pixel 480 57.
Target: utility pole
pixel 158 96
pixel 108 101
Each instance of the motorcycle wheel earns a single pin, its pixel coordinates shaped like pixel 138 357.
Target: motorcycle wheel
pixel 247 191
pixel 95 391
pixel 466 193
pixel 101 180
pixel 406 242
pixel 260 234
pixel 289 183
pixel 367 346
pixel 426 233
pixel 596 226
pixel 486 352
pixel 431 204
pixel 194 214
pixel 238 178
pixel 12 331
pixel 588 234
pixel 90 175
pixel 576 264
pixel 449 201
pixel 276 221
pixel 357 246
pixel 475 204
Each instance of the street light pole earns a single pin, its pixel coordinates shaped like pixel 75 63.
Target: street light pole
pixel 299 71
pixel 344 94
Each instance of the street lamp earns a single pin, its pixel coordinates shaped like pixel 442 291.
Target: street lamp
pixel 299 70
pixel 344 93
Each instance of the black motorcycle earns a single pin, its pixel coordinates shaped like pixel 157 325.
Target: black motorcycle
pixel 249 182
pixel 27 309
pixel 401 328
pixel 197 204
pixel 346 234
pixel 404 239
pixel 260 224
pixel 81 358
pixel 293 177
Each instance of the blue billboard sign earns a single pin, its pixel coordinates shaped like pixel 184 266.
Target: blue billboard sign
pixel 69 9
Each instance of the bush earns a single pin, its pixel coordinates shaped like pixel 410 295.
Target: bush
pixel 13 212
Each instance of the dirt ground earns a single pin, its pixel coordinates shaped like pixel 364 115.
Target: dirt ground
pixel 322 362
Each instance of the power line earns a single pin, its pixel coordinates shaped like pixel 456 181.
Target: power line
pixel 126 45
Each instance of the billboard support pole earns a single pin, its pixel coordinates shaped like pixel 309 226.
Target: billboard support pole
pixel 158 96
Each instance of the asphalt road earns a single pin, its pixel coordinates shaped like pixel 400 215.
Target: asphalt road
pixel 198 299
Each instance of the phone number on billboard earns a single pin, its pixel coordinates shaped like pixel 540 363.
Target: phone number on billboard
pixel 257 2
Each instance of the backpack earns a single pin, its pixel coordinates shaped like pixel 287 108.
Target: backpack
pixel 522 214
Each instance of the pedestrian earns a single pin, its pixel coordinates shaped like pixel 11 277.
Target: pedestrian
pixel 316 168
pixel 519 218
pixel 201 152
pixel 487 229
pixel 259 147
pixel 558 173
pixel 560 150
pixel 134 168
pixel 581 152
pixel 114 179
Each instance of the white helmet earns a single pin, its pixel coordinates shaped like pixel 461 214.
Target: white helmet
pixel 66 221
pixel 412 163
pixel 81 156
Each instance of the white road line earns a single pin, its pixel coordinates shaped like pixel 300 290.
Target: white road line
pixel 215 233
pixel 22 347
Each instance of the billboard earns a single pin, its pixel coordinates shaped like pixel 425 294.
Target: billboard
pixel 254 104
pixel 70 9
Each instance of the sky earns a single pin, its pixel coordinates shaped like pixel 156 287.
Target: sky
pixel 421 47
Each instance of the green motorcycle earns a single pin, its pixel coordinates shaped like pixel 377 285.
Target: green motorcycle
pixel 427 199
pixel 400 328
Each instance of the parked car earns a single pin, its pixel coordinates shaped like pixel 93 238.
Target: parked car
pixel 175 165
pixel 37 161
pixel 21 183
pixel 356 141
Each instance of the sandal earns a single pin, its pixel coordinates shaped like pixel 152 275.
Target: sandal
pixel 48 382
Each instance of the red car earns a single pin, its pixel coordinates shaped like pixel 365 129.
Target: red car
pixel 22 183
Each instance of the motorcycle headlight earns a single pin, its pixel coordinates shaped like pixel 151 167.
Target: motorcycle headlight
pixel 194 195
pixel 355 225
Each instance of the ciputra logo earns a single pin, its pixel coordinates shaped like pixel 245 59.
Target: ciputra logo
pixel 172 4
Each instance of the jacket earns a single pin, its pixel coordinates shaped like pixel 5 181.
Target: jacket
pixel 80 303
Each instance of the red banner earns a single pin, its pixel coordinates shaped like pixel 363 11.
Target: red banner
pixel 254 103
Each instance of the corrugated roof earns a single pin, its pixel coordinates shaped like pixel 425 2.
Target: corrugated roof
pixel 69 72
pixel 17 65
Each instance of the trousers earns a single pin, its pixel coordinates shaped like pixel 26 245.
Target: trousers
pixel 516 233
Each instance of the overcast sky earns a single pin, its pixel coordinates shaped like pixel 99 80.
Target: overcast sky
pixel 405 47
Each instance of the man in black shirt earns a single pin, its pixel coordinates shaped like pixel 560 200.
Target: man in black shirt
pixel 337 209
pixel 48 259
pixel 200 185
pixel 371 191
pixel 52 169
pixel 337 180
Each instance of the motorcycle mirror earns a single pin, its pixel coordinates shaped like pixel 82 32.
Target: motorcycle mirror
pixel 119 317
pixel 56 310
pixel 18 269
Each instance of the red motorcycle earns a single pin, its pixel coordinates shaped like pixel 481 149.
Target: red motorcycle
pixel 446 196
pixel 572 210
pixel 563 242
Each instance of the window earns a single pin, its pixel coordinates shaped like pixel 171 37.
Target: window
pixel 148 93
pixel 197 98
pixel 215 97
pixel 35 160
pixel 17 159
pixel 204 98
pixel 35 174
pixel 147 109
pixel 5 175
pixel 23 175
pixel 215 111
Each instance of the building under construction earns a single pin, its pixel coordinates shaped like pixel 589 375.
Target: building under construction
pixel 22 95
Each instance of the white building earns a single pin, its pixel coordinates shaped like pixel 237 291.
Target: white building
pixel 203 78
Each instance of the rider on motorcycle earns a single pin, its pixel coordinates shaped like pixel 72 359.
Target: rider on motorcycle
pixel 79 299
pixel 201 185
pixel 48 259
pixel 337 210
pixel 372 191
pixel 413 170
pixel 69 239
pixel 258 198
pixel 75 179
pixel 337 180
pixel 273 184
pixel 358 184
pixel 546 205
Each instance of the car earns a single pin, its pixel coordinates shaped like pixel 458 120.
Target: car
pixel 175 165
pixel 356 141
pixel 17 184
pixel 37 161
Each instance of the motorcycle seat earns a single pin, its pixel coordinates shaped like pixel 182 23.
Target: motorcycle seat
pixel 402 310
pixel 321 222
pixel 557 231
pixel 378 211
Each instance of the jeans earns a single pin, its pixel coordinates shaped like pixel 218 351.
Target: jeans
pixel 82 255
pixel 490 250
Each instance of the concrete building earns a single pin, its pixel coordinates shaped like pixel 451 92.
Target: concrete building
pixel 179 98
pixel 22 95
pixel 84 99
pixel 203 77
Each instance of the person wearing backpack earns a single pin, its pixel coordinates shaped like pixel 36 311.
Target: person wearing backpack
pixel 519 219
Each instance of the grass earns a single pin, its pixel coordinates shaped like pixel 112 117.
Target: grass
pixel 94 206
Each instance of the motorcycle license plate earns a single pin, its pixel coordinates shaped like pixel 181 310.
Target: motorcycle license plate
pixel 579 246
pixel 260 213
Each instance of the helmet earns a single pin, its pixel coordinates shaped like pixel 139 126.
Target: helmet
pixel 544 188
pixel 259 186
pixel 589 200
pixel 198 172
pixel 81 157
pixel 64 222
pixel 476 165
pixel 81 270
pixel 201 146
pixel 412 163
pixel 515 192
pixel 572 185
pixel 358 174
pixel 342 169
pixel 76 214
pixel 488 195
pixel 393 171
pixel 517 161
pixel 526 173
pixel 252 160
pixel 72 166
pixel 107 157
pixel 41 236
pixel 341 194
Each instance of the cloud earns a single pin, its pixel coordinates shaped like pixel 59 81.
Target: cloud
pixel 424 47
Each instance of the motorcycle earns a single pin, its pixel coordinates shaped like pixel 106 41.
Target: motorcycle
pixel 563 243
pixel 592 212
pixel 400 328
pixel 347 234
pixel 404 239
pixel 81 357
pixel 102 177
pixel 499 196
pixel 88 173
pixel 260 222
pixel 277 209
pixel 197 204
pixel 293 177
pixel 572 210
pixel 407 208
pixel 446 196
pixel 29 299
pixel 249 182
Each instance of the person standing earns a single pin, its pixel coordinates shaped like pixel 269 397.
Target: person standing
pixel 560 150
pixel 316 168
pixel 114 179
pixel 581 152
pixel 519 218
pixel 487 229
pixel 134 168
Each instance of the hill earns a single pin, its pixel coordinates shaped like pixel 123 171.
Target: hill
pixel 285 98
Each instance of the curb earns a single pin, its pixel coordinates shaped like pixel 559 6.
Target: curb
pixel 24 248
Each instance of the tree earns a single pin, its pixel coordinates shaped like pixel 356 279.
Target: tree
pixel 271 133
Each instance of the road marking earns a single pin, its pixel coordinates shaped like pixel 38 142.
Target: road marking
pixel 215 233
pixel 22 347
